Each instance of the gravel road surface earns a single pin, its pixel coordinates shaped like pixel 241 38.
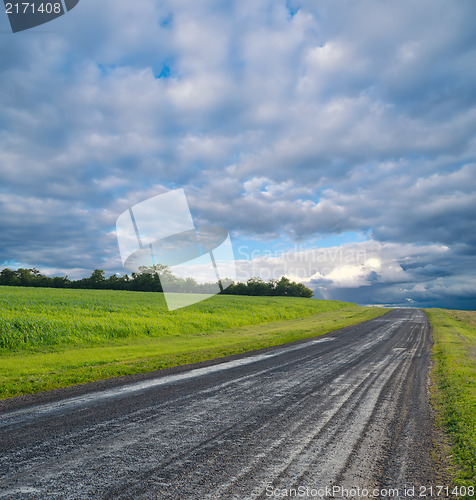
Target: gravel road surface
pixel 346 410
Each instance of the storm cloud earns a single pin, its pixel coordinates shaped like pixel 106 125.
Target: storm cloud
pixel 290 122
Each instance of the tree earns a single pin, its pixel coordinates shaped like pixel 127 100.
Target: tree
pixel 256 286
pixel 8 278
pixel 58 282
pixel 95 281
pixel 152 279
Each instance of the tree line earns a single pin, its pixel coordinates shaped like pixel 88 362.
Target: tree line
pixel 151 280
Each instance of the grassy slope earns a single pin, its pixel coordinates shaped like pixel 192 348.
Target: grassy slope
pixel 454 372
pixel 53 338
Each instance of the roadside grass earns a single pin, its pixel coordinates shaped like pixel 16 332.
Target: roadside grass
pixel 454 395
pixel 52 338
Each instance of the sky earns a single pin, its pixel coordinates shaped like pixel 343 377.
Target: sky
pixel 334 140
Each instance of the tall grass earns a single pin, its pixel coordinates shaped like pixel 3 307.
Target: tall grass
pixel 454 370
pixel 43 317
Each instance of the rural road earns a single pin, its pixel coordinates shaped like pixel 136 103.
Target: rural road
pixel 349 410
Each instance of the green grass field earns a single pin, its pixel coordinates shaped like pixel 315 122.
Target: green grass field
pixel 454 395
pixel 51 338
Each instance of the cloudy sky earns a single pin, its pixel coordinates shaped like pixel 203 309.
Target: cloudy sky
pixel 334 140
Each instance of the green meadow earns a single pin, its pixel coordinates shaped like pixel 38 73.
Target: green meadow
pixel 52 338
pixel 454 389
